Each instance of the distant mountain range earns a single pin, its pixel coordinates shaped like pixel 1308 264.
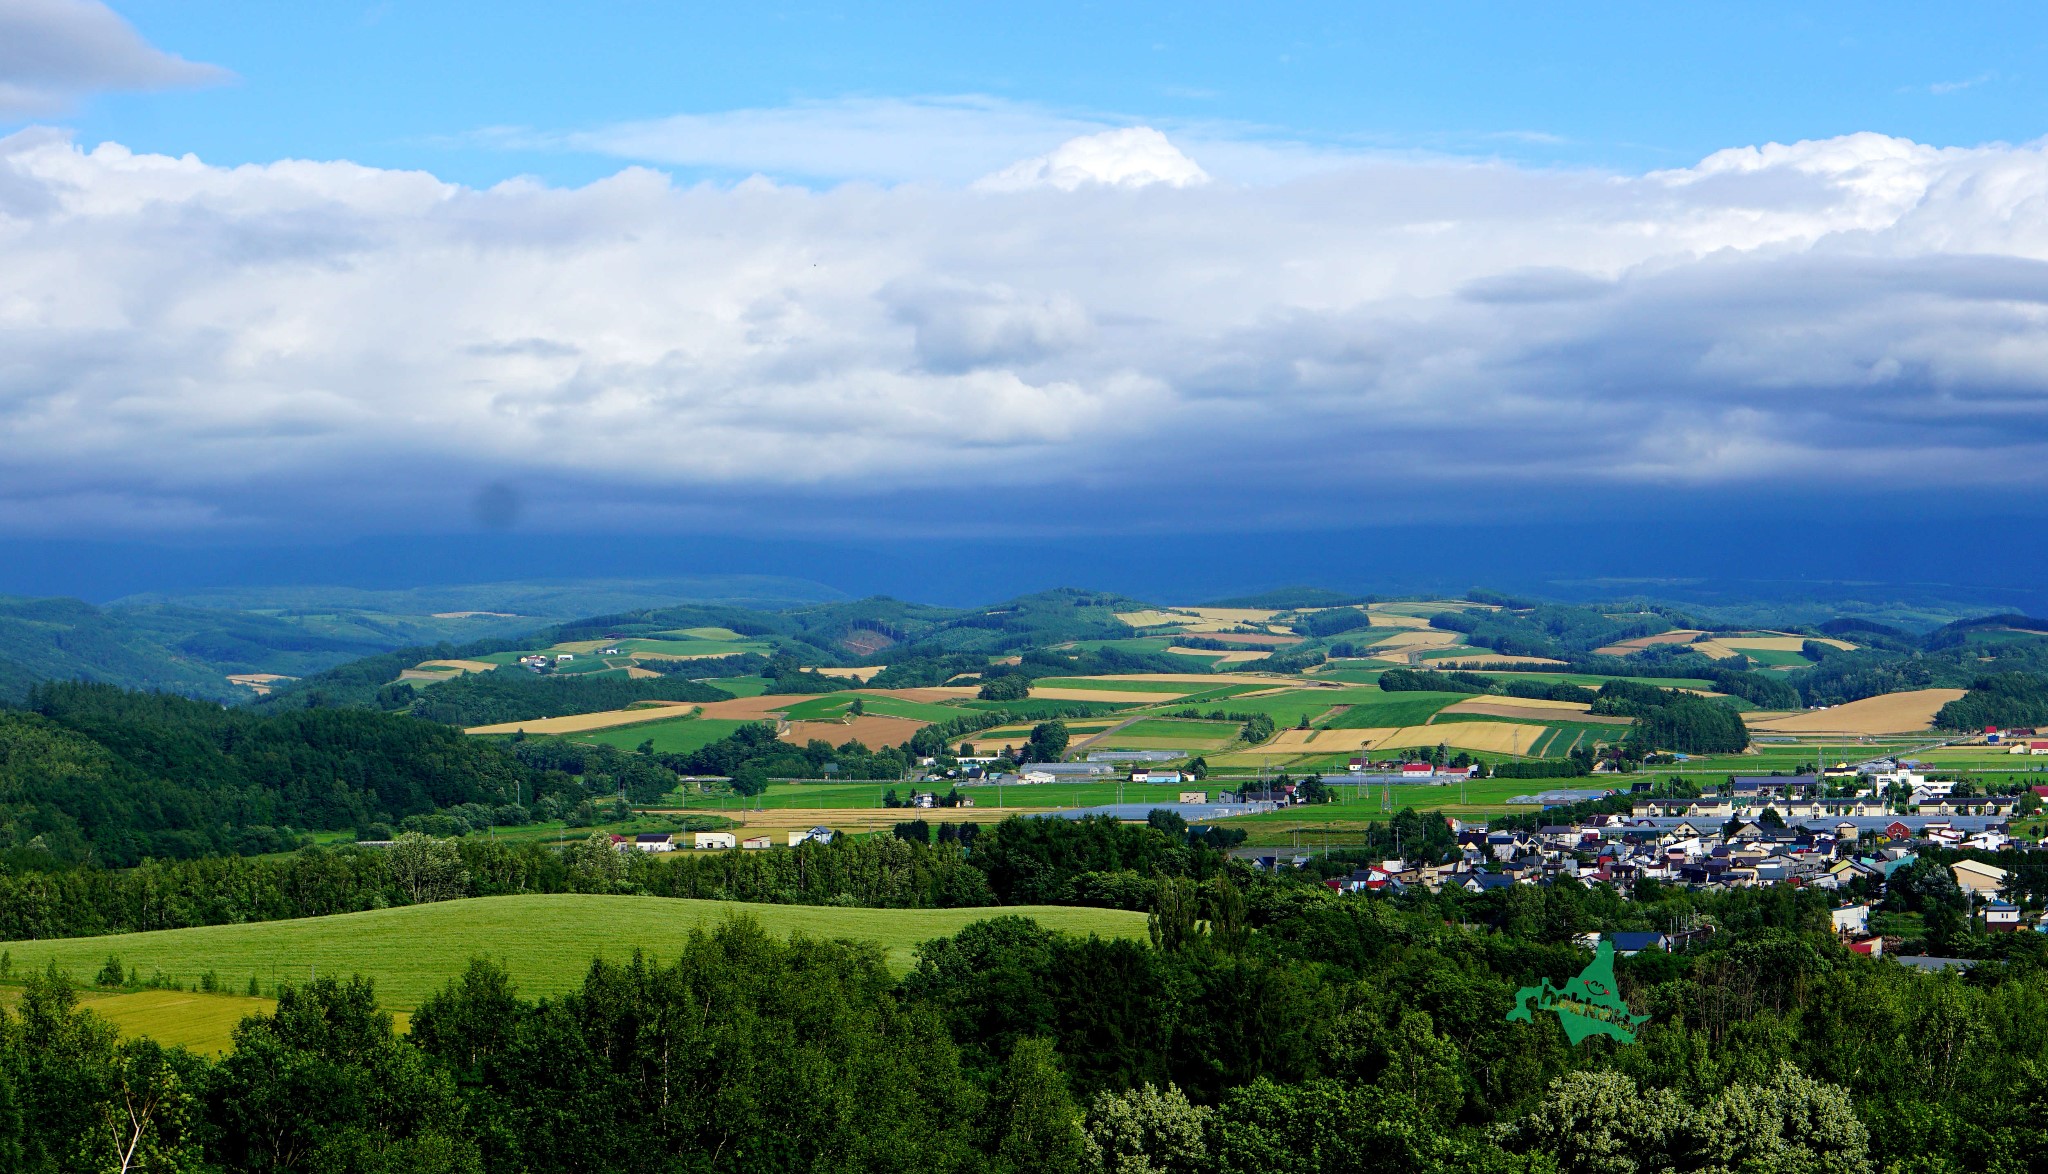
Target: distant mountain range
pixel 192 643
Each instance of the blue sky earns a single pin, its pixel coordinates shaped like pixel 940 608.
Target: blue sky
pixel 1626 85
pixel 1126 277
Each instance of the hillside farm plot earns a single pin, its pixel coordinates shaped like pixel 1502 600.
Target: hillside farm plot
pixel 1133 696
pixel 1214 656
pixel 1892 713
pixel 1639 643
pixel 1451 659
pixel 546 942
pixel 646 711
pixel 1169 734
pixel 1378 708
pixel 1525 709
pixel 873 732
pixel 1494 737
pixel 832 706
pixel 675 736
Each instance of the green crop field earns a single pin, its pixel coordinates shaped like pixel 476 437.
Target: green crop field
pixel 1166 727
pixel 1376 708
pixel 678 736
pixel 202 1023
pixel 546 942
pixel 688 647
pixel 740 686
pixel 833 706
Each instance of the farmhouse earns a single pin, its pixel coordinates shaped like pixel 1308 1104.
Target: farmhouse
pixel 717 840
pixel 820 835
pixel 654 842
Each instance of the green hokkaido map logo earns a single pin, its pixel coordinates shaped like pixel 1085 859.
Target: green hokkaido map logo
pixel 1587 1005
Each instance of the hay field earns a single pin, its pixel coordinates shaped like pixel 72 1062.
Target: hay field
pixel 1780 643
pixel 871 730
pixel 1410 641
pixel 546 942
pixel 1210 679
pixel 467 666
pixel 1892 713
pixel 1476 657
pixel 1388 619
pixel 578 723
pixel 853 674
pixel 1233 615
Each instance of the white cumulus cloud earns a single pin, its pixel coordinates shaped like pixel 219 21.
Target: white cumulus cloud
pixel 1133 157
pixel 184 346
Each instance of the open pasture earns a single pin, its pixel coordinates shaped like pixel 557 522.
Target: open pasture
pixel 546 942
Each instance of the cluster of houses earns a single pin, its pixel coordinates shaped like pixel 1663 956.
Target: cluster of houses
pixel 541 662
pixel 1762 830
pixel 671 841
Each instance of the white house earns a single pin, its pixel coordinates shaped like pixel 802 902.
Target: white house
pixel 654 842
pixel 717 840
pixel 1853 920
pixel 821 835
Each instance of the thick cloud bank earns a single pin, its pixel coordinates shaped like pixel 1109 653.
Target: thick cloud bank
pixel 187 346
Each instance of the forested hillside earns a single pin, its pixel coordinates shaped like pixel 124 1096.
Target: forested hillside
pixel 94 772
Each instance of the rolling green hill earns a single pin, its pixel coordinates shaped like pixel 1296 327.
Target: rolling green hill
pixel 546 942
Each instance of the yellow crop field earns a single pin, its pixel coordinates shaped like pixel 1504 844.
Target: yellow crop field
pixel 1234 615
pixel 1893 713
pixel 1053 693
pixel 578 723
pixel 1536 703
pixel 852 674
pixel 1494 737
pixel 1779 643
pixel 1155 618
pixel 1385 619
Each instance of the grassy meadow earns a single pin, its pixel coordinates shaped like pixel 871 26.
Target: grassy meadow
pixel 546 942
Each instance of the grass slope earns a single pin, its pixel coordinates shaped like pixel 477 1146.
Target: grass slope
pixel 547 942
pixel 202 1023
